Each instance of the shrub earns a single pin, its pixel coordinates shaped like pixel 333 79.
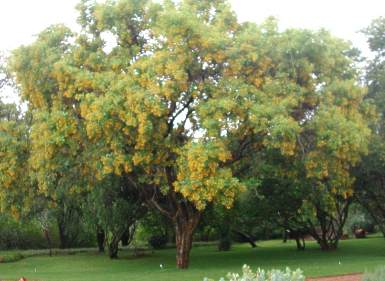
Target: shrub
pixel 20 235
pixel 224 244
pixel 157 241
pixel 13 257
pixel 359 219
pixel 262 275
pixel 377 275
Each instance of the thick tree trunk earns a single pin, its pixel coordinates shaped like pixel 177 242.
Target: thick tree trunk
pixel 183 238
pixel 184 229
pixel 100 237
pixel 183 214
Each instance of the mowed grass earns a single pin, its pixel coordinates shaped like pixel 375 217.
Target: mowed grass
pixel 352 256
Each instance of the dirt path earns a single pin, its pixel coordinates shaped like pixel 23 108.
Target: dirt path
pixel 347 277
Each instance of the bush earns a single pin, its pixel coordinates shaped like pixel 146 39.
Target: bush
pixel 262 275
pixel 224 244
pixel 377 275
pixel 157 241
pixel 20 235
pixel 11 257
pixel 359 219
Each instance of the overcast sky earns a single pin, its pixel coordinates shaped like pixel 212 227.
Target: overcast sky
pixel 21 19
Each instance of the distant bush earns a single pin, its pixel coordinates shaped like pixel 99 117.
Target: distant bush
pixel 18 235
pixel 157 241
pixel 224 244
pixel 377 275
pixel 12 257
pixel 262 275
pixel 359 219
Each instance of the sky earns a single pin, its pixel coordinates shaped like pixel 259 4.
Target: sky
pixel 20 20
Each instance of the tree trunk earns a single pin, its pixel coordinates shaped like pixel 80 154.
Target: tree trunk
pixel 100 237
pixel 184 228
pixel 325 246
pixel 300 241
pixel 125 238
pixel 128 235
pixel 48 238
pixel 183 245
pixel 113 248
pixel 62 235
pixel 284 236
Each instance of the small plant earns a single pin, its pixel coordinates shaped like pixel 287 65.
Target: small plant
pixel 377 275
pixel 262 275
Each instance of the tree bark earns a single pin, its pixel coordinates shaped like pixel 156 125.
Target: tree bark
pixel 113 247
pixel 183 238
pixel 184 229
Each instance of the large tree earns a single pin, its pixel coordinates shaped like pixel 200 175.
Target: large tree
pixel 370 184
pixel 177 99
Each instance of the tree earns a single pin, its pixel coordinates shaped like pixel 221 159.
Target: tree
pixel 324 132
pixel 139 102
pixel 180 99
pixel 369 187
pixel 14 153
pixel 115 208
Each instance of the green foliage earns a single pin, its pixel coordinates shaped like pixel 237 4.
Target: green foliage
pixel 12 257
pixel 370 180
pixel 158 241
pixel 359 219
pixel 262 275
pixel 22 235
pixel 154 225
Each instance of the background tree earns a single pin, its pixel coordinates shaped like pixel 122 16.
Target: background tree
pixel 116 207
pixel 370 188
pixel 318 117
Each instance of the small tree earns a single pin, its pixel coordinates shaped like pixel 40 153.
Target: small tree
pixel 115 208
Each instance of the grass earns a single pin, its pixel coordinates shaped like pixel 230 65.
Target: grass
pixel 352 256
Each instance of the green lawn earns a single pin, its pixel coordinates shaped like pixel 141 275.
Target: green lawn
pixel 352 256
